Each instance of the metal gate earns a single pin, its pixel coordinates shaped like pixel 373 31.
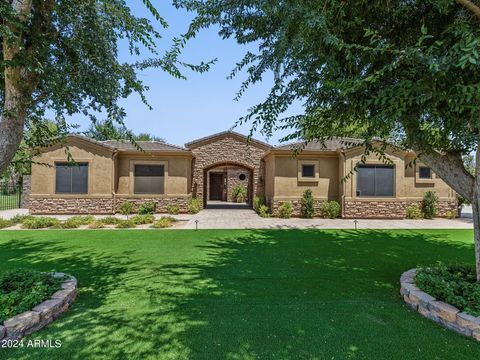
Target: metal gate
pixel 10 196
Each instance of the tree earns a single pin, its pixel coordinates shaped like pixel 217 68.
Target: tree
pixel 61 58
pixel 107 130
pixel 407 71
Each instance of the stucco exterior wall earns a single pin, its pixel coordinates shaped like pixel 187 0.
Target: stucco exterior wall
pixel 99 200
pixel 177 173
pixel 288 184
pixel 408 189
pixel 100 166
pixel 269 178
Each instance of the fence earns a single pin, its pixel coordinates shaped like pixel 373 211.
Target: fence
pixel 10 196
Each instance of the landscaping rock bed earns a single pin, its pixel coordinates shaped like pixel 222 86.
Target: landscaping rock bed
pixel 41 315
pixel 442 313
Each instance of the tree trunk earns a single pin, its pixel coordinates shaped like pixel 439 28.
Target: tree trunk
pixel 18 90
pixel 11 129
pixel 476 213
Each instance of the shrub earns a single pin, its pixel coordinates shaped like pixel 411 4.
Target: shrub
pixel 194 206
pixel 330 209
pixel 40 223
pixel 19 219
pixel 126 208
pixel 451 214
pixel 258 201
pixel 307 209
pixel 285 211
pixel 83 220
pixel 143 219
pixel 109 220
pixel 455 284
pixel 240 193
pixel 148 207
pixel 413 212
pixel 97 224
pixel 125 224
pixel 164 222
pixel 6 223
pixel 76 221
pixel 430 205
pixel 264 211
pixel 21 290
pixel 173 209
pixel 69 224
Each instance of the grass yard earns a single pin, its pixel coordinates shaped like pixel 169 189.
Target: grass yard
pixel 267 294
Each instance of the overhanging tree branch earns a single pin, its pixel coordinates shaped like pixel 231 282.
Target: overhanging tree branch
pixel 470 6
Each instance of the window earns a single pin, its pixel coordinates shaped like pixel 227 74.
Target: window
pixel 424 172
pixel 308 171
pixel 149 179
pixel 375 180
pixel 71 178
pixel 242 177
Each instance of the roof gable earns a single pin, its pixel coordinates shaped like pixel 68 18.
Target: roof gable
pixel 227 134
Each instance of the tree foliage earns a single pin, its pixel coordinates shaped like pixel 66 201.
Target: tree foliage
pixel 61 58
pixel 108 130
pixel 404 71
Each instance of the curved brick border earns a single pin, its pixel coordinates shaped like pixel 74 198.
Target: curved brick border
pixel 43 314
pixel 446 315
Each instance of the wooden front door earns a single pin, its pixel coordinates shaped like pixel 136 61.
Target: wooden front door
pixel 216 186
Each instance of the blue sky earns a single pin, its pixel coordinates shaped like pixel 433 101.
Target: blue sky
pixel 201 105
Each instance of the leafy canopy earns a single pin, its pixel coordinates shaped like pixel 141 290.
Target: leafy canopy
pixel 69 55
pixel 107 130
pixel 403 70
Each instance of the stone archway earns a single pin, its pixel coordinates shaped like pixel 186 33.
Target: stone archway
pixel 221 179
pixel 228 148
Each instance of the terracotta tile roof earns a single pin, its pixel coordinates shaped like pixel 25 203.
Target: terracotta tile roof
pixel 333 144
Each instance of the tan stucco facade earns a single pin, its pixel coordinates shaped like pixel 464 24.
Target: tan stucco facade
pixel 275 174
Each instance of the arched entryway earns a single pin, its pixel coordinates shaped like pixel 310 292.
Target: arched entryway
pixel 221 180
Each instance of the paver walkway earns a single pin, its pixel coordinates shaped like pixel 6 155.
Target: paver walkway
pixel 248 219
pixel 242 218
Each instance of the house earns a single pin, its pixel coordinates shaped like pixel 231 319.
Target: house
pixel 109 173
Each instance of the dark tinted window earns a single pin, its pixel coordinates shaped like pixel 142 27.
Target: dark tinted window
pixel 149 179
pixel 308 170
pixel 424 172
pixel 71 178
pixel 375 180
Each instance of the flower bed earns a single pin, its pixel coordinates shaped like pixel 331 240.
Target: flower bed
pixel 442 313
pixel 42 314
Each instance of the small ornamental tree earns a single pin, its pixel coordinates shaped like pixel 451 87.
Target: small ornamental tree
pixel 430 205
pixel 402 72
pixel 307 210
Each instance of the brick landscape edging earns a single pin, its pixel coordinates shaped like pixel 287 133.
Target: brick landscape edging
pixel 442 313
pixel 41 315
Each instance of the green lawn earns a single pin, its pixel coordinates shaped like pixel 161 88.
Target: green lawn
pixel 276 294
